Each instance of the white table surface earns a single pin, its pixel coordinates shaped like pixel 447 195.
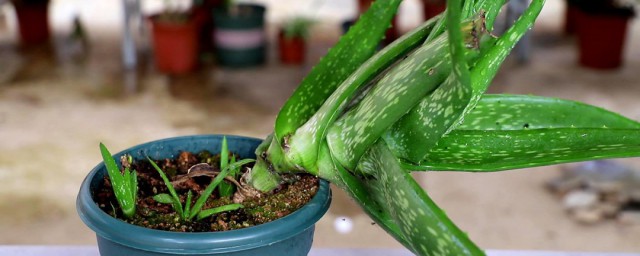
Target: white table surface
pixel 26 250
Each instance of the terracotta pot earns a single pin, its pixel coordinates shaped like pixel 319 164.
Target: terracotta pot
pixel 432 8
pixel 175 45
pixel 292 49
pixel 570 18
pixel 33 22
pixel 601 39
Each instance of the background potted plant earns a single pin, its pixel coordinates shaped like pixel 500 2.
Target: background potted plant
pixel 175 40
pixel 292 40
pixel 601 27
pixel 33 21
pixel 365 119
pixel 239 35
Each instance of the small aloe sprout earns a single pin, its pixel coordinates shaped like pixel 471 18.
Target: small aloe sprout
pixel 125 183
pixel 226 189
pixel 188 212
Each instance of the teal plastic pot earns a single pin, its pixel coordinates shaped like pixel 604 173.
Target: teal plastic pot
pixel 290 235
pixel 239 36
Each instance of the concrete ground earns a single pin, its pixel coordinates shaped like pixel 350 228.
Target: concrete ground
pixel 54 109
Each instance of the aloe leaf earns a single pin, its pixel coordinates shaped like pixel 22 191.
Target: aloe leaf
pixel 120 184
pixel 422 223
pixel 353 49
pixel 177 205
pixel 225 208
pixel 418 132
pixel 420 129
pixel 225 189
pixel 487 67
pixel 517 112
pixel 358 190
pixel 224 154
pixel 134 186
pixel 401 88
pixel 305 142
pixel 496 150
pixel 207 191
pixel 163 198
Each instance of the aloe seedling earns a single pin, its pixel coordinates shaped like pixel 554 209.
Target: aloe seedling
pixel 187 212
pixel 365 120
pixel 124 184
pixel 227 189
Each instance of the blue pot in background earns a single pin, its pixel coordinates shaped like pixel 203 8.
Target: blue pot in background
pixel 290 235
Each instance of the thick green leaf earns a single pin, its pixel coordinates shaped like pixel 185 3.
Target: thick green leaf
pixel 163 198
pixel 187 205
pixel 417 133
pixel 517 112
pixel 225 189
pixel 353 49
pixel 422 223
pixel 420 129
pixel 487 67
pixel 397 92
pixel 496 150
pixel 332 171
pixel 305 142
pixel 122 184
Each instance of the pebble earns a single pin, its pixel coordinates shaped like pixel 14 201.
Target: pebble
pixel 629 217
pixel 580 199
pixel 588 215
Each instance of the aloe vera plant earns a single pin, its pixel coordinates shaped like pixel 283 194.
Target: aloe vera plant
pixel 125 183
pixel 364 120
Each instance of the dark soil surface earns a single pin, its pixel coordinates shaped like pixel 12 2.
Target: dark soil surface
pixel 296 191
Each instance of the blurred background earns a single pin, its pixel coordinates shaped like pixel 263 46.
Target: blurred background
pixel 74 73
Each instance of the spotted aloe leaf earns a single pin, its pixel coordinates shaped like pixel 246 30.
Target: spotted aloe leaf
pixel 517 112
pixel 516 131
pixel 422 224
pixel 305 142
pixel 125 184
pixel 495 150
pixel 353 49
pixel 412 137
pixel 398 91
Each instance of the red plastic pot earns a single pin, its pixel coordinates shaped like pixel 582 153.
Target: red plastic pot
pixel 601 39
pixel 292 49
pixel 432 8
pixel 570 17
pixel 175 45
pixel 33 22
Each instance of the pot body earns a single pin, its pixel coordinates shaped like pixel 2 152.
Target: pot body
pixel 601 39
pixel 431 8
pixel 33 22
pixel 290 235
pixel 239 36
pixel 175 45
pixel 292 49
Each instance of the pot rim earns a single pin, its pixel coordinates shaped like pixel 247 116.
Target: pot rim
pixel 197 242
